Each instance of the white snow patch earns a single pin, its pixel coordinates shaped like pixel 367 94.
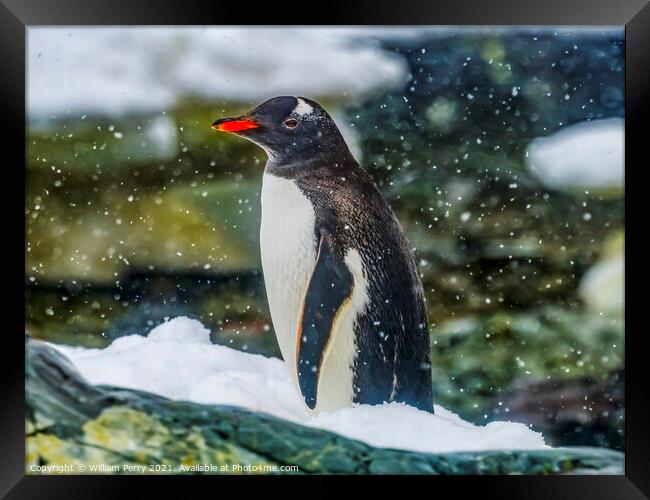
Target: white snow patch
pixel 303 108
pixel 143 69
pixel 162 135
pixel 178 361
pixel 585 155
pixel 603 285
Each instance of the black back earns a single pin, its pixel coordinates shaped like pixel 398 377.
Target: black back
pixel 392 335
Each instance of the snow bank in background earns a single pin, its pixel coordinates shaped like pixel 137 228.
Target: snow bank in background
pixel 177 360
pixel 585 155
pixel 121 70
pixel 603 285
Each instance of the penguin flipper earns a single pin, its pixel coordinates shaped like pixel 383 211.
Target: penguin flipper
pixel 329 290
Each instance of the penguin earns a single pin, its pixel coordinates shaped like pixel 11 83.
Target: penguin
pixel 341 279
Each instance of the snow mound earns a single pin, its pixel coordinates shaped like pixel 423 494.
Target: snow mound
pixel 178 361
pixel 148 69
pixel 585 155
pixel 603 285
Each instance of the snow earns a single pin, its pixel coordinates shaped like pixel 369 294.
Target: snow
pixel 602 286
pixel 119 70
pixel 584 155
pixel 177 360
pixel 162 137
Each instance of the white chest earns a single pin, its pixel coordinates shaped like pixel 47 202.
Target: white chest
pixel 288 247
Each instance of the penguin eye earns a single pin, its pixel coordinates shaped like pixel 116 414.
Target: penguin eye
pixel 291 123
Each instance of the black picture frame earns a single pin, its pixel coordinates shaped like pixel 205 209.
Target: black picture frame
pixel 17 15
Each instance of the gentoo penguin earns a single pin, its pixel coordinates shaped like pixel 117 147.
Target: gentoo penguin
pixel 342 284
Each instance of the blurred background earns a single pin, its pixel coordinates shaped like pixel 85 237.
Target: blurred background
pixel 501 151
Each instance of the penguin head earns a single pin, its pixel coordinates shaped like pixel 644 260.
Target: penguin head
pixel 290 129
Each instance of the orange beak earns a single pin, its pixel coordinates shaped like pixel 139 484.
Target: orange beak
pixel 234 124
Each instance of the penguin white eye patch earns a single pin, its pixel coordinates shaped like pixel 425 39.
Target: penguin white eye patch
pixel 291 123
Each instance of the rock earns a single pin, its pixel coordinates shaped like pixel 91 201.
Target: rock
pixel 477 359
pixel 72 422
pixel 583 411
